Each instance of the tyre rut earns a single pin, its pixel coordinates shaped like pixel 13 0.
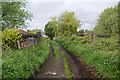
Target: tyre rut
pixel 78 67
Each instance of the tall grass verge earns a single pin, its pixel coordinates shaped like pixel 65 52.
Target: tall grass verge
pixel 68 73
pixel 105 61
pixel 23 63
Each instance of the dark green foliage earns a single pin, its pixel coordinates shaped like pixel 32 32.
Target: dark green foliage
pixel 81 31
pixel 49 31
pixel 23 63
pixel 88 31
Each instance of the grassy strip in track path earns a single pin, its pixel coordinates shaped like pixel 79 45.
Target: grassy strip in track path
pixel 56 49
pixel 68 73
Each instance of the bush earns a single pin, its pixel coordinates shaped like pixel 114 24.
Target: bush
pixel 23 63
pixel 73 39
pixel 10 38
pixel 109 44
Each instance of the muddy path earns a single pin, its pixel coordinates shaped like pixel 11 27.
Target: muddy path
pixel 52 68
pixel 78 67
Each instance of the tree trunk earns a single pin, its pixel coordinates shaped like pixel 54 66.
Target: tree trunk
pixel 51 38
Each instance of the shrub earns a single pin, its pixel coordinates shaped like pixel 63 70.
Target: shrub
pixel 110 44
pixel 9 38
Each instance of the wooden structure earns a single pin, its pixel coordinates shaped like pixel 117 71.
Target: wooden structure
pixel 28 39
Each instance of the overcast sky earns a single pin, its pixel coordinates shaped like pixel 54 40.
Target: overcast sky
pixel 85 11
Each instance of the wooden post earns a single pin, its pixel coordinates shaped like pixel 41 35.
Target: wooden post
pixel 18 42
pixel 93 38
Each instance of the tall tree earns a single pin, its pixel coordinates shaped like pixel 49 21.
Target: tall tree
pixel 49 31
pixel 14 15
pixel 54 24
pixel 108 21
pixel 67 23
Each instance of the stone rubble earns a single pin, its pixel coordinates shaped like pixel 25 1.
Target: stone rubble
pixel 51 73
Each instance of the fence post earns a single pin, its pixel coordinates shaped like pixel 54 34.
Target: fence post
pixel 18 42
pixel 34 40
pixel 93 38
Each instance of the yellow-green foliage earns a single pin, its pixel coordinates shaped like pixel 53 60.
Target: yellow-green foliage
pixel 78 39
pixel 110 44
pixel 73 39
pixel 31 32
pixel 10 37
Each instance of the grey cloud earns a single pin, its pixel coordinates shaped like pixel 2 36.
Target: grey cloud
pixel 87 13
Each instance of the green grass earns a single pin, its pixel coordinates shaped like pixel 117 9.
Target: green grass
pixel 105 61
pixel 68 73
pixel 23 63
pixel 56 49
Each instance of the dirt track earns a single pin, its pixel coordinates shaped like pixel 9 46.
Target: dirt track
pixel 77 67
pixel 80 69
pixel 53 66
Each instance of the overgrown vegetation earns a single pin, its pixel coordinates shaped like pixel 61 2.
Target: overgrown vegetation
pixel 68 73
pixel 56 49
pixel 108 44
pixel 9 38
pixel 103 55
pixel 23 63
